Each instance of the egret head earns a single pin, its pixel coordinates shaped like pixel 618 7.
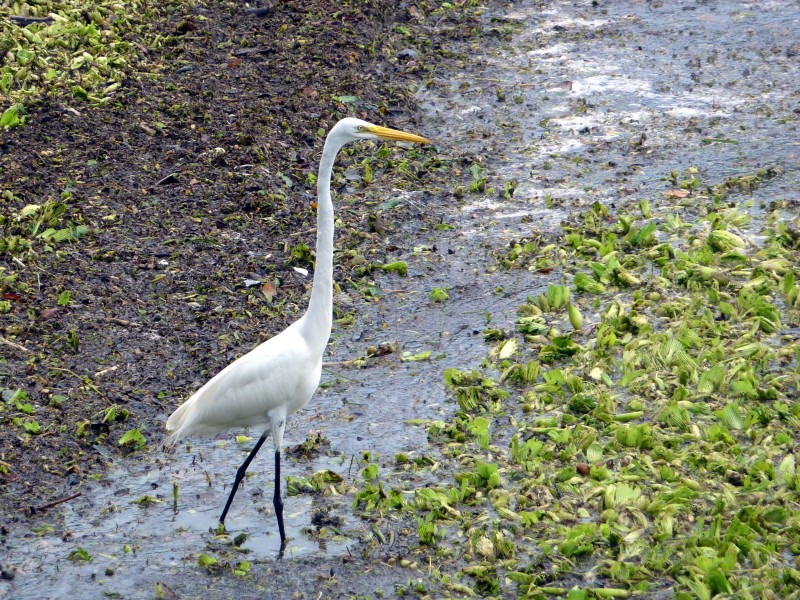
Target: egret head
pixel 351 129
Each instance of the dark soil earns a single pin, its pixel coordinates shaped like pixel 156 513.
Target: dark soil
pixel 191 182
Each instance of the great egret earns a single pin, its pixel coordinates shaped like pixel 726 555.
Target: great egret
pixel 276 379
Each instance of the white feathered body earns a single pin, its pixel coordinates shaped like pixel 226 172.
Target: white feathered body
pixel 263 387
pixel 279 377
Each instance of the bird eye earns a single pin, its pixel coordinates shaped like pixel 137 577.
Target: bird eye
pixel 361 128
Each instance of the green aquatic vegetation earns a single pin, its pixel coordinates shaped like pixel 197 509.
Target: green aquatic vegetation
pixel 585 283
pixel 76 50
pixel 40 228
pixel 474 390
pixel 133 439
pixel 438 295
pixel 655 443
pixel 80 555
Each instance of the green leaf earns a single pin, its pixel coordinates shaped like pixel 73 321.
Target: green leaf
pixel 242 569
pixel 204 560
pixel 298 485
pixel 32 427
pixel 399 266
pixel 631 376
pixel 730 416
pixel 133 438
pixel 584 283
pixel 711 380
pixel 370 473
pixel 787 469
pixel 718 583
pixel 80 555
pixel 594 453
pixel 626 494
pixel 438 295
pixel 12 116
pixel 508 349
pixel 408 357
pixel 532 325
pixel 346 99
pixel 145 500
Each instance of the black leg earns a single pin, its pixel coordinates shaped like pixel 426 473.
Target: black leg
pixel 240 474
pixel 276 500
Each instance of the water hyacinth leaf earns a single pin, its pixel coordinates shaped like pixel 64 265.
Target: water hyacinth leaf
pixel 13 116
pixel 673 353
pixel 145 501
pixel 642 237
pixel 631 376
pixel 488 475
pixel 574 383
pixel 581 404
pixel 718 583
pixel 508 349
pixel 520 452
pixel 133 438
pixel 675 416
pixel 408 357
pixel 204 560
pixel 577 594
pixel 724 241
pixel 522 373
pixel 626 494
pixel 635 436
pixel 777 514
pixel 711 380
pixel 628 416
pixel 731 417
pixel 479 427
pixel 644 207
pixel 523 579
pixel 594 453
pixel 561 346
pixel 575 317
pixel 399 266
pixel 242 569
pixel 556 297
pixel 370 473
pixel 787 284
pixel 700 590
pixel 298 485
pixel 438 295
pixel 80 554
pixel 532 325
pixel 584 283
pixel 787 469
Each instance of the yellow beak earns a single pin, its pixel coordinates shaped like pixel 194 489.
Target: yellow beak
pixel 385 133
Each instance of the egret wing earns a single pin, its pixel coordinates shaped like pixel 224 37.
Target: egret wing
pixel 280 373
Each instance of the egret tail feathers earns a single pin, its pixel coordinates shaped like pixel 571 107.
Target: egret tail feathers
pixel 175 423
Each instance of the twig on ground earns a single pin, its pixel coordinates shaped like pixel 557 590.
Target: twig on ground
pixel 23 21
pixel 19 347
pixel 36 509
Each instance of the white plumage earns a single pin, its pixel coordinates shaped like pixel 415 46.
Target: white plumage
pixel 262 387
pixel 276 379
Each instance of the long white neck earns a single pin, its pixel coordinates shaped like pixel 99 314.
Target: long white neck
pixel 316 323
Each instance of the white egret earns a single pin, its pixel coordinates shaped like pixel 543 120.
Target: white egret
pixel 276 379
